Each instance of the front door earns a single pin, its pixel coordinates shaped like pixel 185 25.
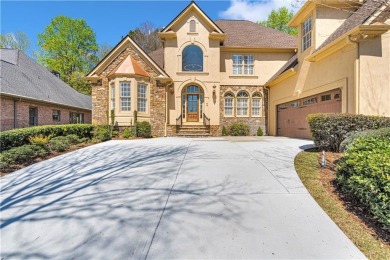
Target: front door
pixel 192 107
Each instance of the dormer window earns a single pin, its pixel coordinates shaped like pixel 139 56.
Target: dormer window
pixel 306 34
pixel 192 26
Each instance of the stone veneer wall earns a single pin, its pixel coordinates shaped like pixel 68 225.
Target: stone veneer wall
pixel 100 94
pixel 253 122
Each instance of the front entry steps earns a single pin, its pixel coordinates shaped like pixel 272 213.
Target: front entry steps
pixel 193 131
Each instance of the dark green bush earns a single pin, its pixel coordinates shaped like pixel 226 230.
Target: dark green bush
pixel 19 137
pixel 239 129
pixel 74 139
pixel 59 143
pixel 329 130
pixel 364 174
pixel 21 154
pixel 224 131
pixel 380 133
pixel 260 132
pixel 101 133
pixel 144 129
pixel 127 133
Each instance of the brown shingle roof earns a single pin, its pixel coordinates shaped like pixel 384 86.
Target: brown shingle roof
pixel 240 33
pixel 357 18
pixel 158 57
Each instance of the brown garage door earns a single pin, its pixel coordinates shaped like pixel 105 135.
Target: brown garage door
pixel 292 115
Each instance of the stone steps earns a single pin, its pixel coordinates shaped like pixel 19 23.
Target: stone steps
pixel 193 131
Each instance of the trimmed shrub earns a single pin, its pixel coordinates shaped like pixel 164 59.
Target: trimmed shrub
pixel 260 132
pixel 351 137
pixel 39 140
pixel 329 130
pixel 144 129
pixel 101 133
pixel 73 139
pixel 224 131
pixel 59 143
pixel 364 174
pixel 239 129
pixel 19 137
pixel 127 133
pixel 21 154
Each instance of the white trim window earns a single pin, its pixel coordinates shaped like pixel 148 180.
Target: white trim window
pixel 192 26
pixel 142 97
pixel 256 104
pixel 306 34
pixel 242 103
pixel 125 96
pixel 112 93
pixel 243 64
pixel 228 104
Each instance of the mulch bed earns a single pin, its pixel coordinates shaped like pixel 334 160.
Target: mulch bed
pixel 365 219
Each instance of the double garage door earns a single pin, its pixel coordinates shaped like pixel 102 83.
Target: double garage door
pixel 291 116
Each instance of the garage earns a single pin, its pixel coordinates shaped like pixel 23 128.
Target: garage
pixel 291 116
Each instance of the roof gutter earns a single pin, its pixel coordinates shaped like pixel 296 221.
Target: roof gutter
pixel 285 75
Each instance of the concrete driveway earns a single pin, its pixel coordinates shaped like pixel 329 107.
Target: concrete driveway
pixel 168 198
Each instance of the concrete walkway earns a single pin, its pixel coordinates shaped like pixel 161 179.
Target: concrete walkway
pixel 168 198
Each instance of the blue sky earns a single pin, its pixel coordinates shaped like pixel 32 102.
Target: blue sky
pixel 111 20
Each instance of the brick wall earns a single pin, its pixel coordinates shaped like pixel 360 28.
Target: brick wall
pixel 45 113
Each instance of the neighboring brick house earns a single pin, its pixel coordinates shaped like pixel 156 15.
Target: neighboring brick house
pixel 210 74
pixel 31 95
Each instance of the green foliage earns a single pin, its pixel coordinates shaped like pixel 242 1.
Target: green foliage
pixel 101 133
pixel 329 130
pixel 21 154
pixel 144 129
pixel 20 136
pixel 351 137
pixel 239 129
pixel 224 131
pixel 364 174
pixel 18 40
pixel 39 140
pixel 279 20
pixel 127 133
pixel 146 36
pixel 69 47
pixel 74 139
pixel 260 131
pixel 59 143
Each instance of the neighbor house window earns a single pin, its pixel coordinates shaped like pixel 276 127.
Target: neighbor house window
pixel 228 104
pixel 141 104
pixel 125 96
pixel 256 104
pixel 192 58
pixel 243 64
pixel 56 115
pixel 306 34
pixel 76 118
pixel 33 116
pixel 192 26
pixel 112 97
pixel 242 103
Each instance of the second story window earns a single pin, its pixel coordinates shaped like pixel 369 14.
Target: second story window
pixel 125 96
pixel 243 64
pixel 192 26
pixel 306 34
pixel 192 58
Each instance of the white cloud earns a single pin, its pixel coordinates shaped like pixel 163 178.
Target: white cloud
pixel 253 10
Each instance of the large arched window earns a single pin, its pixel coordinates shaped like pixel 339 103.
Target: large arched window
pixel 228 105
pixel 192 58
pixel 256 104
pixel 242 103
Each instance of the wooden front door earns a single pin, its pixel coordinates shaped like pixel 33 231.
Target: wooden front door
pixel 192 107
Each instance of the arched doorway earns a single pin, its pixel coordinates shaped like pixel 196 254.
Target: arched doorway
pixel 192 103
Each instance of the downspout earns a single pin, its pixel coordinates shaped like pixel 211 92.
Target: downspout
pixel 15 115
pixel 166 108
pixel 267 113
pixel 354 40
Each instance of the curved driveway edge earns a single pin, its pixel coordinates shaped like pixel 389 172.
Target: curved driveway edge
pixel 168 198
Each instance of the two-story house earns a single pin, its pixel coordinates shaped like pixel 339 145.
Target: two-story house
pixel 210 74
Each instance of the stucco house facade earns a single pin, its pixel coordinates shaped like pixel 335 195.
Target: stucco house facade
pixel 30 95
pixel 210 74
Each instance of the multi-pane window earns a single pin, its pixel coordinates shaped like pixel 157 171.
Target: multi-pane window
pixel 112 97
pixel 56 115
pixel 242 103
pixel 243 64
pixel 125 96
pixel 192 26
pixel 141 103
pixel 76 118
pixel 256 104
pixel 33 116
pixel 228 104
pixel 306 34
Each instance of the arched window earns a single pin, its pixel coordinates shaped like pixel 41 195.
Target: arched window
pixel 192 58
pixel 192 26
pixel 228 105
pixel 256 104
pixel 242 103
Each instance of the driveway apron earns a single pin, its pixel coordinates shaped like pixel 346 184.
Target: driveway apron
pixel 168 198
